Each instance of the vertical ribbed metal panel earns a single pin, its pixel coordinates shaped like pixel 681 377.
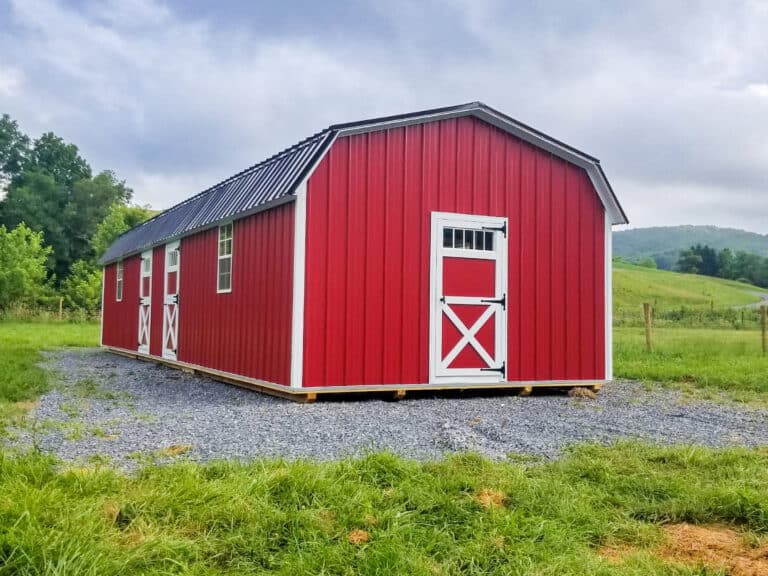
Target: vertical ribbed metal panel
pixel 121 319
pixel 246 331
pixel 368 251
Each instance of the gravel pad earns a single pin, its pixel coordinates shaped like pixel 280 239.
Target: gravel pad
pixel 126 411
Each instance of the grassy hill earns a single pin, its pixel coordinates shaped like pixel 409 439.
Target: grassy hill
pixel 665 243
pixel 633 285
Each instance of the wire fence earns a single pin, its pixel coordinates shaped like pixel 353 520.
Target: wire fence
pixel 744 318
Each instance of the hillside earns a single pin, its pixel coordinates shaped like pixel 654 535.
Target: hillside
pixel 665 242
pixel 633 285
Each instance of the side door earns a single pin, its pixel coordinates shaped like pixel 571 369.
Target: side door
pixel 145 302
pixel 171 300
pixel 468 299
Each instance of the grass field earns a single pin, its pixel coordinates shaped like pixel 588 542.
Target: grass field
pixel 21 380
pixel 714 360
pixel 375 515
pixel 633 285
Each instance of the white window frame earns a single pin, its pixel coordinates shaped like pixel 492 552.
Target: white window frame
pixel 219 289
pixel 120 270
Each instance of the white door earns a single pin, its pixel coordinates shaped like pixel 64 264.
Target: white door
pixel 145 301
pixel 468 299
pixel 171 300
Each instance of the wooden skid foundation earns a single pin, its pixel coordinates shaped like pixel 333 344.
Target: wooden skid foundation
pixel 309 395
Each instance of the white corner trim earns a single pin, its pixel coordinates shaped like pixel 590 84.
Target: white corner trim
pixel 299 270
pixel 101 316
pixel 608 299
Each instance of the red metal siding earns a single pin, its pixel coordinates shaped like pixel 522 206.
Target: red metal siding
pixel 368 252
pixel 121 319
pixel 246 331
pixel 156 331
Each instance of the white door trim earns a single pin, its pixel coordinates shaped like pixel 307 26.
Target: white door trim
pixel 145 302
pixel 299 268
pixel 171 316
pixel 439 305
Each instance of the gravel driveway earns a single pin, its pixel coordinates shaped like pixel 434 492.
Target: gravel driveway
pixel 128 411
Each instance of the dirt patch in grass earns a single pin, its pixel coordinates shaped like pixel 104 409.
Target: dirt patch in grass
pixel 715 547
pixel 357 537
pixel 490 498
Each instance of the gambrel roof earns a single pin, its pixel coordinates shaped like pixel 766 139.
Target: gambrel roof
pixel 275 180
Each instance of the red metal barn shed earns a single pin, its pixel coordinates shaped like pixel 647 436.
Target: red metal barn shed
pixel 450 248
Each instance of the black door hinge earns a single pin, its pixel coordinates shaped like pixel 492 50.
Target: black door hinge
pixel 502 301
pixel 176 299
pixel 502 229
pixel 502 370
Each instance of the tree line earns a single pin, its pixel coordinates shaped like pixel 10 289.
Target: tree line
pixel 742 266
pixel 56 219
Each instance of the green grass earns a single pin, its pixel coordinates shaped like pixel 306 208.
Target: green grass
pixel 271 517
pixel 716 360
pixel 21 380
pixel 633 285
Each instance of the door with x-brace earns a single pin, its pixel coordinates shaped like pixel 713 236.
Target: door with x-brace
pixel 468 299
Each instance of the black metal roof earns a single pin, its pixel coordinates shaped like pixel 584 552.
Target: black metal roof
pixel 274 181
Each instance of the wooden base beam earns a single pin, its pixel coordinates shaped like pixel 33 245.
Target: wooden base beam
pixel 310 395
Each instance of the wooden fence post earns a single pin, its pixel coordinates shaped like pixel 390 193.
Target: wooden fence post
pixel 648 327
pixel 61 308
pixel 764 327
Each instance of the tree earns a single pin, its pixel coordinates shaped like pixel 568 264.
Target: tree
pixel 89 203
pixel 62 161
pixel 82 288
pixel 14 151
pixel 725 263
pixel 39 203
pixel 22 266
pixel 689 262
pixel 119 219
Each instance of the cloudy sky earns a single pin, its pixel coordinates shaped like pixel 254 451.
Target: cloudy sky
pixel 174 96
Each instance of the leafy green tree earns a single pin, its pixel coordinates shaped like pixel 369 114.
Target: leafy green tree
pixel 14 151
pixel 119 219
pixel 82 288
pixel 689 262
pixel 23 259
pixel 725 263
pixel 50 154
pixel 39 203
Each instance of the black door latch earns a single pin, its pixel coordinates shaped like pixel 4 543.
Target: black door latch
pixel 502 370
pixel 502 301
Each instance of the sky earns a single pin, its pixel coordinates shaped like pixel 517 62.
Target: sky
pixel 176 96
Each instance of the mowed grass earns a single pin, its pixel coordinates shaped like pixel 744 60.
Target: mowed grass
pixel 718 360
pixel 633 285
pixel 375 515
pixel 21 380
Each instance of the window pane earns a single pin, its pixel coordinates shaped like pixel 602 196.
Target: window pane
pixel 489 240
pixel 225 282
pixel 225 266
pixel 447 237
pixel 478 240
pixel 458 238
pixel 469 239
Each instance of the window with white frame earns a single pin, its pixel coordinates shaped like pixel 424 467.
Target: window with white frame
pixel 225 258
pixel 119 286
